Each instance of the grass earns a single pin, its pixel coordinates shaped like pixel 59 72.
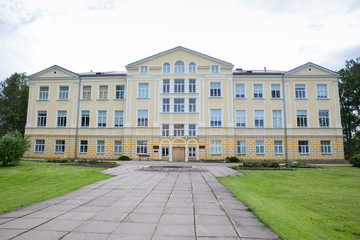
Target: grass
pixel 303 204
pixel 31 182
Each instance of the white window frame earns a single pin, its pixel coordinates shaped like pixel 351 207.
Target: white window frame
pixel 165 152
pixel 118 147
pixel 241 145
pixel 179 132
pixel 60 146
pixel 303 149
pixel 271 91
pixel 273 120
pixel 307 118
pixel 48 93
pixel 326 91
pixel 240 122
pixel 141 148
pixel 237 92
pixel 100 149
pixel 192 86
pixel 39 147
pixel 165 132
pixel 214 91
pixel 57 118
pixel 37 118
pixel 60 97
pixel 326 149
pixel 328 117
pixel 144 69
pixel 166 86
pixel 278 149
pixel 215 68
pixel 305 91
pixel 143 92
pixel 179 107
pixel 107 92
pixel 260 147
pixel 179 87
pixel 192 106
pixel 215 147
pixel 97 118
pixel 178 69
pixel 263 118
pixel 81 146
pixel 192 67
pixel 137 117
pixel 192 131
pixel 166 69
pixel 82 92
pixel 216 116
pixel 258 93
pixel 166 106
pixel 192 153
pixel 121 118
pixel 121 97
pixel 81 116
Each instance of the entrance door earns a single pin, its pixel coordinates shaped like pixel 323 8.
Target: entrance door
pixel 178 154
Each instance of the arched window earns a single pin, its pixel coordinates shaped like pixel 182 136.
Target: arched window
pixel 179 67
pixel 192 67
pixel 166 67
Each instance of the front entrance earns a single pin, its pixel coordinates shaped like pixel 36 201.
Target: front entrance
pixel 178 154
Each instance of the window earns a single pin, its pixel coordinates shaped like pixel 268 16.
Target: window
pixel 63 92
pixel 61 118
pixel 144 69
pixel 321 91
pixel 117 147
pixel 300 91
pixel 301 118
pixel 215 146
pixel 166 67
pixel 83 146
pixel 179 105
pixel 239 90
pixel 120 92
pixel 303 147
pixel 192 86
pixel 258 90
pixel 260 147
pixel 192 152
pixel 277 118
pixel 59 146
pixel 143 90
pixel 192 130
pixel 179 67
pixel 166 86
pixel 39 145
pixel 103 91
pixel 178 130
pixel 85 118
pixel 192 67
pixel 215 117
pixel 179 86
pixel 278 147
pixel 215 89
pixel 192 105
pixel 275 91
pixel 166 105
pixel 324 120
pixel 165 130
pixel 102 118
pixel 240 118
pixel 86 92
pixel 214 68
pixel 325 147
pixel 141 146
pixel 241 147
pixel 119 118
pixel 259 118
pixel 143 118
pixel 100 146
pixel 44 93
pixel 41 119
pixel 165 152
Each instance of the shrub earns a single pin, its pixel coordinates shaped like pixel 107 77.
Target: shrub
pixel 274 164
pixel 264 164
pixel 12 147
pixel 124 158
pixel 251 164
pixel 295 165
pixel 233 159
pixel 93 161
pixel 82 161
pixel 355 160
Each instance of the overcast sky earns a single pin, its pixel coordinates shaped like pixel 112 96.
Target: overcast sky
pixel 105 35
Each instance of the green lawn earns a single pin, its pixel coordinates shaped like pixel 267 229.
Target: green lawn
pixel 31 182
pixel 303 204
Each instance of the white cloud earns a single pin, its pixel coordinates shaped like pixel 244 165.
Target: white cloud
pixel 106 35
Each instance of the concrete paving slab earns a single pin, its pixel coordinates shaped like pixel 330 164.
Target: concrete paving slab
pixel 185 230
pixel 176 219
pixel 60 225
pixel 41 235
pixel 10 233
pixel 23 223
pixel 135 229
pixel 86 236
pixel 214 230
pixel 97 227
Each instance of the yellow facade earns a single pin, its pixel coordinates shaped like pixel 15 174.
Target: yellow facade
pixel 186 106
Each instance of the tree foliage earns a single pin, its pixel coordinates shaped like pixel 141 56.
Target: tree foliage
pixel 349 93
pixel 12 147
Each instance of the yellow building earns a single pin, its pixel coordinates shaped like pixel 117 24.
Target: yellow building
pixel 182 105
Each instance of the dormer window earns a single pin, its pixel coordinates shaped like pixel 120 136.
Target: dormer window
pixel 192 67
pixel 179 67
pixel 214 68
pixel 166 67
pixel 144 69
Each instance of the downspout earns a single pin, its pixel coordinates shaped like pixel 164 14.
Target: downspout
pixel 77 118
pixel 285 123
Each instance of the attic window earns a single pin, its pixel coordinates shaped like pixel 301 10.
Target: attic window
pixel 54 72
pixel 310 69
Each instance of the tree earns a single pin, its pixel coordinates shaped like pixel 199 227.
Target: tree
pixel 349 93
pixel 12 147
pixel 14 93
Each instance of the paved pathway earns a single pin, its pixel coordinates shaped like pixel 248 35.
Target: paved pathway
pixel 140 205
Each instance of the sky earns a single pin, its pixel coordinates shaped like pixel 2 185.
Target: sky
pixel 106 35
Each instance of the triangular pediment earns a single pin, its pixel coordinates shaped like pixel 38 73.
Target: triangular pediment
pixel 311 69
pixel 179 53
pixel 55 72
